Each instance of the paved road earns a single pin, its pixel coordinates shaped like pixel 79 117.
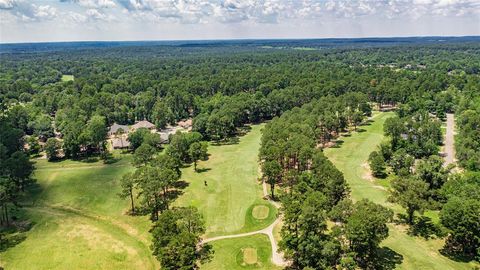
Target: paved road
pixel 449 147
pixel 277 257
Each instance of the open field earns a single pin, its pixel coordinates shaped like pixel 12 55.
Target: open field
pixel 350 158
pixel 232 190
pixel 67 78
pixel 79 222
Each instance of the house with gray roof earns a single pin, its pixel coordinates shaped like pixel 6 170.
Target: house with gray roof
pixel 116 128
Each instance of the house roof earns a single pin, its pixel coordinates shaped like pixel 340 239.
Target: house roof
pixel 115 127
pixel 120 143
pixel 143 124
pixel 185 124
pixel 164 137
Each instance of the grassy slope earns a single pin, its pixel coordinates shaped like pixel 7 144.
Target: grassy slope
pixel 232 191
pixel 79 221
pixel 229 255
pixel 350 158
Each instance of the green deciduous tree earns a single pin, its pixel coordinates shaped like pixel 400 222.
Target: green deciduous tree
pixel 52 147
pixel 197 151
pixel 411 193
pixel 365 229
pixel 460 215
pixel 377 164
pixel 176 239
pixel 136 138
pixel 143 155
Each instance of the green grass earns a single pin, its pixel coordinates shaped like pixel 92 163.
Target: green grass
pixel 79 222
pixel 67 78
pixel 229 253
pixel 232 187
pixel 351 158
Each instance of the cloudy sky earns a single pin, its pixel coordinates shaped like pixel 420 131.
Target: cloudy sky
pixel 71 20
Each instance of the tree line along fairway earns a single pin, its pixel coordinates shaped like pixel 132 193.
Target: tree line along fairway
pixel 350 158
pixel 232 190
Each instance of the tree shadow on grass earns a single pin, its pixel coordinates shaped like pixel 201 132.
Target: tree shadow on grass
pixel 202 170
pixel 338 144
pixel 14 234
pixel 241 131
pixel 453 251
pixel 181 185
pixel 387 259
pixel 424 227
pixel 367 122
pixel 227 141
pixel 360 130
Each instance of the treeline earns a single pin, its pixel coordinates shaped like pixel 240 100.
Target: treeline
pixel 467 141
pixel 315 192
pixel 220 89
pixel 422 182
pixel 289 142
pixel 15 170
pixel 154 186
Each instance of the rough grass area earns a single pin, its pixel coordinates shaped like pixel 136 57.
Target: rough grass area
pixel 404 251
pixel 67 78
pixel 237 253
pixel 260 212
pixel 79 222
pixel 232 189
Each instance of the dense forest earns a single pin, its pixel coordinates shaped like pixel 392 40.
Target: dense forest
pixel 308 97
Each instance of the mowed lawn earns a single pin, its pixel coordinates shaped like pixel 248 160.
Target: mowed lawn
pixel 79 221
pixel 232 189
pixel 252 252
pixel 351 158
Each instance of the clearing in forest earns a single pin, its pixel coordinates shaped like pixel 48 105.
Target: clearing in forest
pixel 403 250
pixel 230 199
pixel 67 78
pixel 231 203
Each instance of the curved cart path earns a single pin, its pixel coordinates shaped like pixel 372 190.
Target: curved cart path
pixel 449 147
pixel 277 257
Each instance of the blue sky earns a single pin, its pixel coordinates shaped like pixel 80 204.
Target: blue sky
pixel 72 20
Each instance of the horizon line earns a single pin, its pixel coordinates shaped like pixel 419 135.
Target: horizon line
pixel 238 39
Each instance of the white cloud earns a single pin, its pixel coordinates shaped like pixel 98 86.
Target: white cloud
pixel 45 12
pixel 245 17
pixel 97 3
pixel 96 15
pixel 7 4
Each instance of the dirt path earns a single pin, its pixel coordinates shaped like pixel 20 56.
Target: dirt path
pixel 449 148
pixel 277 257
